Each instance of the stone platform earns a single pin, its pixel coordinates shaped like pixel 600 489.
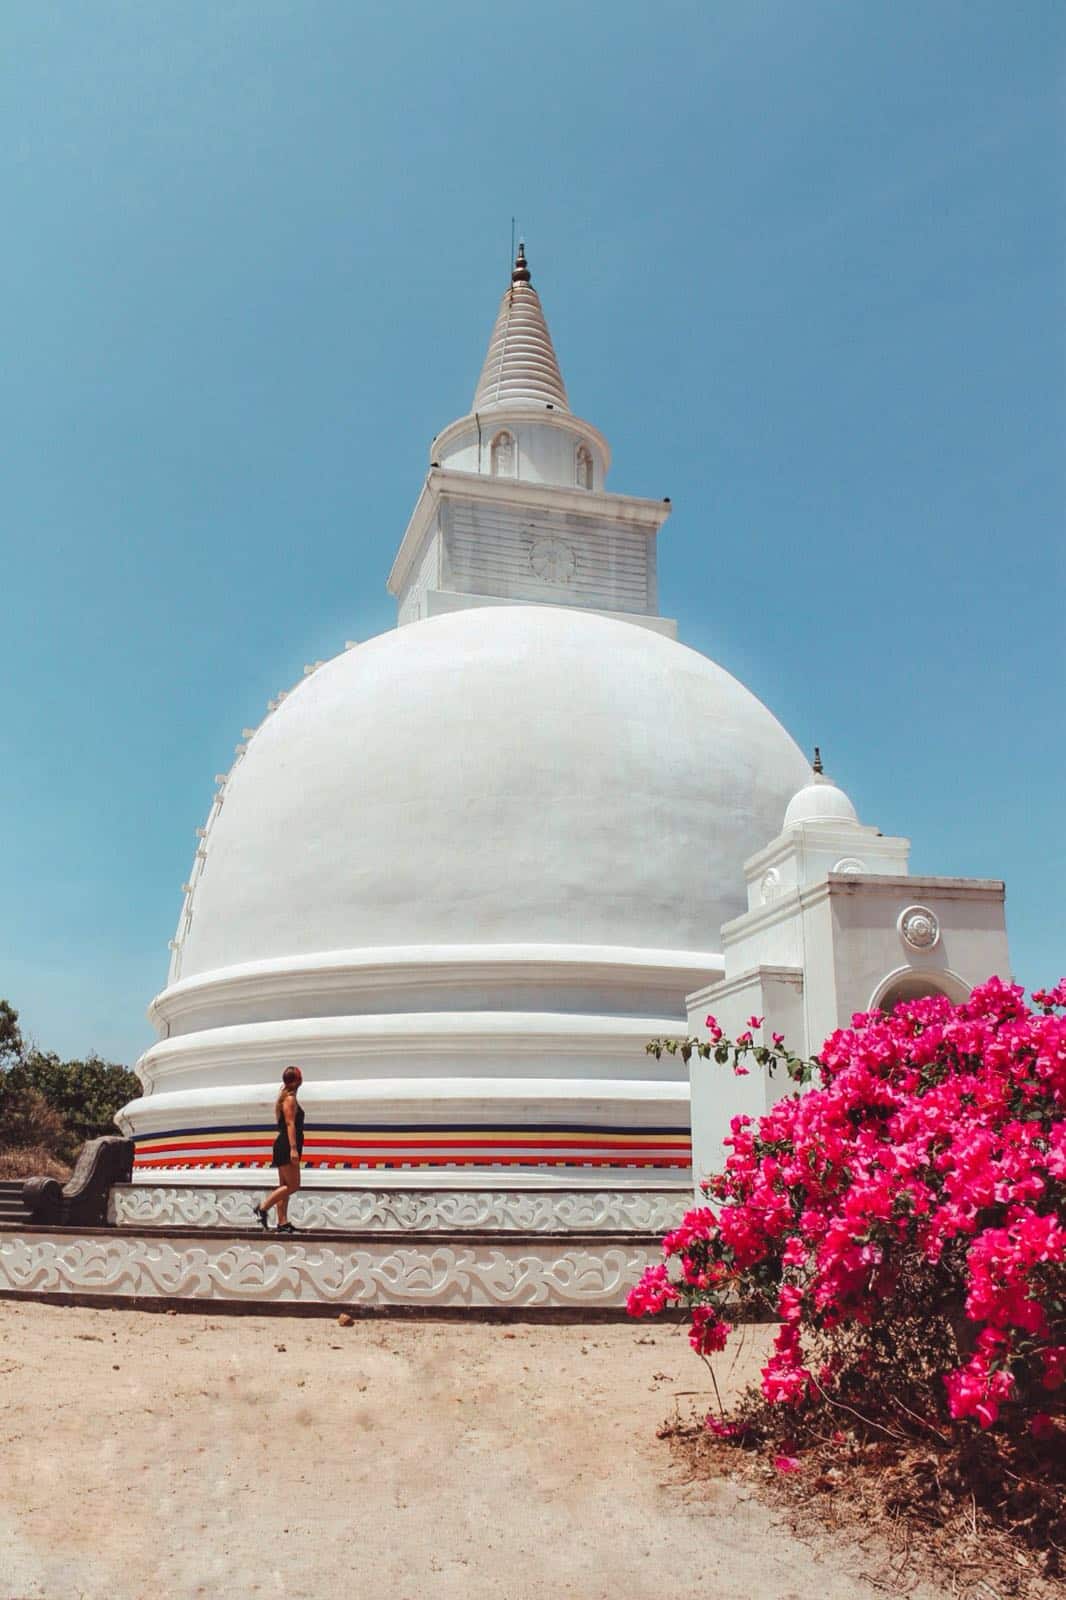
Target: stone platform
pixel 478 1252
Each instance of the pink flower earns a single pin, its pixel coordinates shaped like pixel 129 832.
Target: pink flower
pixel 787 1464
pixel 1054 1360
pixel 708 1334
pixel 652 1293
pixel 778 1038
pixel 977 1390
pixel 790 1303
pixel 755 1022
pixel 723 1430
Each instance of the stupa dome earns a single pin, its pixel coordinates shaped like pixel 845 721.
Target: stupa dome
pixel 463 872
pixel 819 801
pixel 505 775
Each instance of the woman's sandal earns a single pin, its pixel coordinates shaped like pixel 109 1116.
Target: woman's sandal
pixel 260 1216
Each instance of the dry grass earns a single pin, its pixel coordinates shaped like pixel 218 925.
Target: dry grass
pixel 901 1507
pixel 32 1161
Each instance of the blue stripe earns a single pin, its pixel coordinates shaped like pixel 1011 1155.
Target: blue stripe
pixel 473 1128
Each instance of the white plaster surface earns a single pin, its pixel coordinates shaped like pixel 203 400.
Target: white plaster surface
pixel 401 1211
pixel 465 869
pixel 520 363
pixel 508 775
pixel 525 1273
pixel 810 959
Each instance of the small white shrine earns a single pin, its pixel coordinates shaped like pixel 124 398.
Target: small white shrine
pixel 834 926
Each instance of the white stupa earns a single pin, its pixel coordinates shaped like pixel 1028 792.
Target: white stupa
pixel 463 871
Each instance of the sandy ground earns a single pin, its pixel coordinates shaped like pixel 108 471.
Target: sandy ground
pixel 146 1455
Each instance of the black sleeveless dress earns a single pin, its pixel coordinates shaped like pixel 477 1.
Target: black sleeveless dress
pixel 281 1143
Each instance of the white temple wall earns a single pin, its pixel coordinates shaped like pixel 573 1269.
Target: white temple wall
pixel 425 576
pixel 501 978
pixel 868 946
pixel 374 1051
pixel 543 452
pixel 855 939
pixel 772 936
pixel 717 1094
pixel 494 550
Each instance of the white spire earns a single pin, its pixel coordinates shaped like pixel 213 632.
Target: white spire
pixel 520 365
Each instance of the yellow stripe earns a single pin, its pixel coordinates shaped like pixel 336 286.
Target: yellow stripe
pixel 545 1135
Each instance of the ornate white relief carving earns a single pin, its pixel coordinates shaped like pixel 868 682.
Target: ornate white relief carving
pixel 403 1211
pixel 850 864
pixel 527 1273
pixel 918 927
pixel 552 559
pixel 770 887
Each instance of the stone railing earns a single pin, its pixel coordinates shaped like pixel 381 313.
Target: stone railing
pixel 82 1200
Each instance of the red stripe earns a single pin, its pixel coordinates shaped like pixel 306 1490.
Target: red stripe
pixel 342 1142
pixel 531 1141
pixel 216 1144
pixel 437 1161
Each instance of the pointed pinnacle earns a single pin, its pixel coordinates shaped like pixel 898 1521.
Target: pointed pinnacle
pixel 520 272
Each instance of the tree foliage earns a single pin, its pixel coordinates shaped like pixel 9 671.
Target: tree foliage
pixel 10 1037
pixel 56 1104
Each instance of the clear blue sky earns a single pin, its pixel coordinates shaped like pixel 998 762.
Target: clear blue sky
pixel 803 264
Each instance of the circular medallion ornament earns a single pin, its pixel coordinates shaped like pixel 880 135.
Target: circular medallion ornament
pixel 850 864
pixel 553 560
pixel 918 927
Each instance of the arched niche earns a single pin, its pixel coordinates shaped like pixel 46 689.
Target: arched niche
pixel 502 455
pixel 917 983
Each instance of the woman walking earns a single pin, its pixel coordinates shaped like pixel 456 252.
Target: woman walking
pixel 288 1148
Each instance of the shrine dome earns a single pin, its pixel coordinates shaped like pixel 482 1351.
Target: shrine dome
pixel 820 800
pixel 503 775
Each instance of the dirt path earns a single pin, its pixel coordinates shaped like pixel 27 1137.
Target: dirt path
pixel 144 1455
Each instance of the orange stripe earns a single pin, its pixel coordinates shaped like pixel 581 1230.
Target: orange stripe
pixel 520 1142
pixel 435 1161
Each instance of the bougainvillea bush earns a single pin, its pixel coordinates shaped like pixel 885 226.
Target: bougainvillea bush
pixel 902 1220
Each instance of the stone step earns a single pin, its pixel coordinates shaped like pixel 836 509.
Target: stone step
pixel 11 1206
pixel 649 1210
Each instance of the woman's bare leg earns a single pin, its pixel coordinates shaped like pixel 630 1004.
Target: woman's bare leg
pixel 290 1182
pixel 274 1198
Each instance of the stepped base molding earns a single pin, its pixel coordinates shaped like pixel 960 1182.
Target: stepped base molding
pixel 367 1272
pixel 647 1211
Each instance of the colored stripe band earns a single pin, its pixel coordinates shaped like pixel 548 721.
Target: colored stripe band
pixel 418 1145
